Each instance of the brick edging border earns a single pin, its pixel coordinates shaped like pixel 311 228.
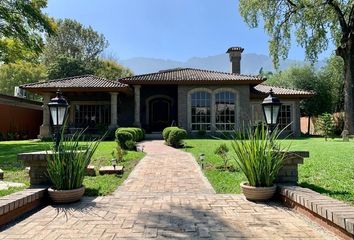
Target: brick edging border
pixel 15 205
pixel 287 195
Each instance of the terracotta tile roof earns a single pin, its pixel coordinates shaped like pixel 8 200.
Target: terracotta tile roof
pixel 262 90
pixel 191 76
pixel 84 81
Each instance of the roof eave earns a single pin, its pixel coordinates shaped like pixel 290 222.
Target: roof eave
pixel 39 90
pixel 191 82
pixel 284 96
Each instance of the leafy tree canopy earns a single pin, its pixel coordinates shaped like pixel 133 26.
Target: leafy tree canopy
pixel 23 22
pixel 15 74
pixel 314 23
pixel 73 40
pixel 64 66
pixel 333 73
pixel 14 50
pixel 306 78
pixel 110 69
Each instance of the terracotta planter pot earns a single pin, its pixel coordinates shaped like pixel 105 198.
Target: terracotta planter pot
pixel 257 193
pixel 66 196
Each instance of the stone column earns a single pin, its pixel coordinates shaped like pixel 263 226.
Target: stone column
pixel 44 130
pixel 114 118
pixel 137 105
pixel 213 113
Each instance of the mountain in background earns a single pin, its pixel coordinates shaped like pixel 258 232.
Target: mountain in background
pixel 251 63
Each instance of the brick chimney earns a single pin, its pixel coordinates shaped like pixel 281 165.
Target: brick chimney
pixel 235 59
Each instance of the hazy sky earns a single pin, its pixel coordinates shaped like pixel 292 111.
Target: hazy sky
pixel 168 29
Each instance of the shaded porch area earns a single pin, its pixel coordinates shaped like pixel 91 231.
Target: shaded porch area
pixel 95 103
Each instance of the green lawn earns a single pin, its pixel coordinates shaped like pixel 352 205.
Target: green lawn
pixel 329 170
pixel 95 186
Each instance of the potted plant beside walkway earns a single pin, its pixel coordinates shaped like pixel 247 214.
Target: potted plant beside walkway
pixel 260 157
pixel 67 168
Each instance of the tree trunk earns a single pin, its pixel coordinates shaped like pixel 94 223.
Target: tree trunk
pixel 348 56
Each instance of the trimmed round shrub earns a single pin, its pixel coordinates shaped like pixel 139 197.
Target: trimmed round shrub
pixel 141 133
pixel 129 130
pixel 166 132
pixel 130 145
pixel 122 137
pixel 176 136
pixel 138 133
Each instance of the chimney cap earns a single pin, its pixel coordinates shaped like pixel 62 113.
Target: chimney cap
pixel 235 49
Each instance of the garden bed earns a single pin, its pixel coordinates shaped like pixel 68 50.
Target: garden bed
pixel 329 170
pixel 14 170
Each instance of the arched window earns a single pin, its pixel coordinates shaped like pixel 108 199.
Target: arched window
pixel 225 111
pixel 200 110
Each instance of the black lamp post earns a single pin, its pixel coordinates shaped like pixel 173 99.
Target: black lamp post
pixel 58 107
pixel 271 108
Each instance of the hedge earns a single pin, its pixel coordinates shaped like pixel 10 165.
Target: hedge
pixel 138 133
pixel 123 137
pixel 166 132
pixel 176 136
pixel 126 135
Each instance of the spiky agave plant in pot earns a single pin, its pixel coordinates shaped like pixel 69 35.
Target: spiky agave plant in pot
pixel 260 156
pixel 67 167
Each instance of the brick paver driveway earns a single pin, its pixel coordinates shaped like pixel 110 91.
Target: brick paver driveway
pixel 166 196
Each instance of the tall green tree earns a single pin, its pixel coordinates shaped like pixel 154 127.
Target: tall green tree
pixel 15 74
pixel 65 66
pixel 332 73
pixel 73 40
pixel 14 50
pixel 24 22
pixel 110 69
pixel 306 78
pixel 314 23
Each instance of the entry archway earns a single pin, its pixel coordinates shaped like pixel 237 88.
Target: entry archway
pixel 158 114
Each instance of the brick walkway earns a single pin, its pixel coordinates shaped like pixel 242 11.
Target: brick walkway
pixel 165 197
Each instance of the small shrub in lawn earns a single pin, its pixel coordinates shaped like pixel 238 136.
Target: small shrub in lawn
pixel 166 132
pixel 119 153
pixel 131 145
pixel 122 137
pixel 128 136
pixel 222 151
pixel 325 125
pixel 138 133
pixel 176 136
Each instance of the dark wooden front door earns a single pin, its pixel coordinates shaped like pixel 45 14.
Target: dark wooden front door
pixel 160 114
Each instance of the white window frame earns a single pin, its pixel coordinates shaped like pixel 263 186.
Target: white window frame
pixel 292 114
pixel 212 108
pixel 189 106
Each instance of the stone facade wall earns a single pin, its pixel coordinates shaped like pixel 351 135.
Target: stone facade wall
pixel 242 102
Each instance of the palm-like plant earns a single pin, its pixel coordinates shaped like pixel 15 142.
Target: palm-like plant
pixel 67 165
pixel 259 155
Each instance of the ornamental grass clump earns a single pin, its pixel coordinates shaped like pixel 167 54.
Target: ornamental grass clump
pixel 259 155
pixel 67 165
